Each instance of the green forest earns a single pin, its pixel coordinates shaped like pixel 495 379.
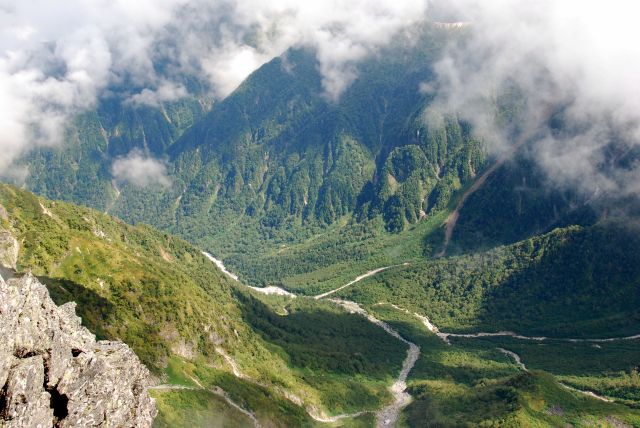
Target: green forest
pixel 291 189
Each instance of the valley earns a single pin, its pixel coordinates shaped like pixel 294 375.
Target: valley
pixel 191 383
pixel 409 251
pixel 387 417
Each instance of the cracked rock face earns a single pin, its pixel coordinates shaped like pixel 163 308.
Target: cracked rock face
pixel 53 373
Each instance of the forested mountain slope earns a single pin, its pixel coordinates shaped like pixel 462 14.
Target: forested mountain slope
pixel 277 162
pixel 191 325
pixel 277 176
pixel 78 171
pixel 571 282
pixel 278 159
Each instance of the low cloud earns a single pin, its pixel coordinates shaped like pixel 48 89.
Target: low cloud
pixel 168 91
pixel 139 170
pixel 58 58
pixel 14 174
pixel 582 57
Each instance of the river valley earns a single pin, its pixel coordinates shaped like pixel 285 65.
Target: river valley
pixel 388 416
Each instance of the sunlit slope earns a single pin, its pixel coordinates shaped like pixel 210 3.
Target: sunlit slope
pixel 134 283
pixel 529 399
pixel 192 326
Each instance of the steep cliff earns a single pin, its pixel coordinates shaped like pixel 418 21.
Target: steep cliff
pixel 55 374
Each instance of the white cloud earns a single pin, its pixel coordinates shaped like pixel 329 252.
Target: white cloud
pixel 583 56
pixel 140 170
pixel 168 91
pixel 14 174
pixel 57 58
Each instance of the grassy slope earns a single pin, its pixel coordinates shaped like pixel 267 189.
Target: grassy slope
pixel 529 399
pixel 471 383
pixel 174 307
pixel 571 282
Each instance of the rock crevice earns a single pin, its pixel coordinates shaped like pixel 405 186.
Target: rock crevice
pixel 53 372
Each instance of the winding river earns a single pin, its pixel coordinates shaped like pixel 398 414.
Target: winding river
pixel 388 416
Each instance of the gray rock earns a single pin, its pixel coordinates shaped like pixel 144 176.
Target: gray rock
pixel 53 373
pixel 9 249
pixel 27 404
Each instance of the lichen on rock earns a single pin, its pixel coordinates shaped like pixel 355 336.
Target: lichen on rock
pixel 53 373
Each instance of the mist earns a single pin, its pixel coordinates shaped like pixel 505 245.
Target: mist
pixel 581 57
pixel 57 59
pixel 139 169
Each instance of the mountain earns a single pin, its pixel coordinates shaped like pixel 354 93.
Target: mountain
pixel 276 176
pixel 191 325
pixel 472 257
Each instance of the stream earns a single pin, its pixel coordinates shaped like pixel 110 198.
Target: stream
pixel 516 357
pixel 266 290
pixel 388 416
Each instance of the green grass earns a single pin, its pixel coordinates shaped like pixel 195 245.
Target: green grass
pixel 532 399
pixel 608 368
pixel 341 254
pixel 471 383
pixel 196 409
pixel 572 282
pixel 438 360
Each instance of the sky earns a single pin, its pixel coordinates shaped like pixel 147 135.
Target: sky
pixel 58 58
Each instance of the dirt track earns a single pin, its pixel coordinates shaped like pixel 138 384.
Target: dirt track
pixel 361 277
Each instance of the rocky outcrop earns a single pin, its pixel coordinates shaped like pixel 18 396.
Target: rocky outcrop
pixel 9 249
pixel 53 372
